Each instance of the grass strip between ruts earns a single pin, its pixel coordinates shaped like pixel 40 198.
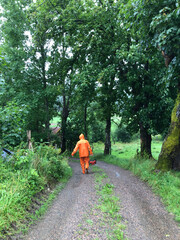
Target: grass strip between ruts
pixel 109 204
pixel 105 212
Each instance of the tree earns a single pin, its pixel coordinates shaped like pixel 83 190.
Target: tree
pixel 106 39
pixel 38 84
pixel 144 99
pixel 144 85
pixel 89 34
pixel 67 58
pixel 84 94
pixel 13 123
pixel 167 40
pixel 12 44
pixel 13 27
pixel 43 75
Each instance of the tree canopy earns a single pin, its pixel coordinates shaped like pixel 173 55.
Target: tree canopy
pixel 86 61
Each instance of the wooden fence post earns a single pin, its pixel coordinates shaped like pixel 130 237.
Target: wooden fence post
pixel 29 139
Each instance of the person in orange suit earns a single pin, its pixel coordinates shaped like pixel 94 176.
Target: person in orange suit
pixel 84 149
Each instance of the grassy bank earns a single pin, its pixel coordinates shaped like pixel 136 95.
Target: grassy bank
pixel 166 185
pixel 27 186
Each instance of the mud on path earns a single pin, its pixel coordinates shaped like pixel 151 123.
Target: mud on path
pixel 142 211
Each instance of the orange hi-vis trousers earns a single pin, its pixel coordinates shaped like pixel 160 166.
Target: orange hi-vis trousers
pixel 84 161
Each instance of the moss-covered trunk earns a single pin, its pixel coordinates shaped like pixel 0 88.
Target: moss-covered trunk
pixel 169 157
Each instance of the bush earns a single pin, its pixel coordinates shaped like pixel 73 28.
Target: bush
pixel 121 134
pixel 44 162
pixel 26 174
pixel 48 162
pixel 97 132
pixel 13 123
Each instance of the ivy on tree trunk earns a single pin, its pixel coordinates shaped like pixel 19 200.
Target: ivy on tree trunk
pixel 169 157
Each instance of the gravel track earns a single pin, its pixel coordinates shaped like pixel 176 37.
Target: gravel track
pixel 141 210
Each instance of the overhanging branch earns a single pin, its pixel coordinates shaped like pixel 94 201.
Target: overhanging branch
pixel 54 6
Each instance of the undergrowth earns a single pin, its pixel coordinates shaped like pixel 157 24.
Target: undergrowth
pixel 22 177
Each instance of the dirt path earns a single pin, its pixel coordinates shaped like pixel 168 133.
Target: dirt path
pixel 142 211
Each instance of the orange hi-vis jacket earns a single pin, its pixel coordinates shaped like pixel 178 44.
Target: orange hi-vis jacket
pixel 83 146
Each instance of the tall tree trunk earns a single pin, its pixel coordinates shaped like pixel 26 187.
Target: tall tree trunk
pixel 145 142
pixel 47 121
pixel 169 157
pixel 63 136
pixel 85 121
pixel 107 149
pixel 46 101
pixel 65 113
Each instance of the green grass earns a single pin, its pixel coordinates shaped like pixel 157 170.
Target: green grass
pixel 42 210
pixel 109 204
pixel 128 150
pixel 55 120
pixel 22 179
pixel 104 216
pixel 166 185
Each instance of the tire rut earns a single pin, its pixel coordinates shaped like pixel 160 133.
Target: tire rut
pixel 67 210
pixel 142 211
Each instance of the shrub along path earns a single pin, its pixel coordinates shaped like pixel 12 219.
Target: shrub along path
pixel 75 213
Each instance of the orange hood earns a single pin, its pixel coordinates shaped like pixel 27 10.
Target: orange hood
pixel 81 136
pixel 83 146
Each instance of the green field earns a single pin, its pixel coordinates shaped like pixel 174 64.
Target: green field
pixel 128 150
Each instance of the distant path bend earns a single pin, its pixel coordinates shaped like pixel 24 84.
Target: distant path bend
pixel 142 211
